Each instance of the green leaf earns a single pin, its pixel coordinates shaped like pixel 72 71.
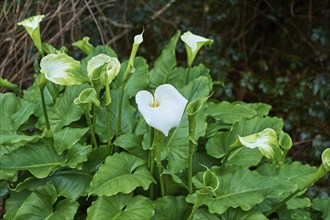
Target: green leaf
pixel 138 80
pixel 240 214
pixel 175 147
pixel 262 109
pixel 14 111
pixel 197 88
pixel 13 203
pixel 239 187
pixel 71 184
pixel 84 45
pixel 65 209
pixel 296 203
pixel 67 137
pixel 295 172
pixel 122 207
pixel 178 75
pixel 203 214
pixel 244 157
pixel 164 64
pixel 64 112
pixel 128 121
pixel 77 154
pixel 218 145
pixel 121 173
pixel 96 158
pixel 326 159
pixel 39 158
pixel 230 112
pixel 179 208
pixel 132 143
pixel 285 140
pixel 39 205
pixel 322 204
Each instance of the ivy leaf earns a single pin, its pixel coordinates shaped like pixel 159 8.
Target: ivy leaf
pixel 67 137
pixel 39 158
pixel 164 64
pixel 121 173
pixel 121 206
pixel 180 209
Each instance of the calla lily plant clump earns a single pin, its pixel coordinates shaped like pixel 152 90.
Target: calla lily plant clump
pixel 103 138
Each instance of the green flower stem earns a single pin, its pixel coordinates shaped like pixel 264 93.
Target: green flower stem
pixel 151 165
pixel 91 130
pixel 190 159
pixel 192 149
pixel 155 155
pixel 160 168
pixel 188 75
pixel 44 108
pixel 320 173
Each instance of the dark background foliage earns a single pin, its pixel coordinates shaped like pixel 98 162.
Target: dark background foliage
pixel 275 52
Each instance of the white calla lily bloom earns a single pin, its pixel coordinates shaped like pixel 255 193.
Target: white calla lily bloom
pixel 164 110
pixel 32 26
pixel 112 67
pixel 193 44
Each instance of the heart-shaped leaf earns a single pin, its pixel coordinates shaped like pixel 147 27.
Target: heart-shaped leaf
pixel 121 173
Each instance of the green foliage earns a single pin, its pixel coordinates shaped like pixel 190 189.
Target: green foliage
pixel 103 158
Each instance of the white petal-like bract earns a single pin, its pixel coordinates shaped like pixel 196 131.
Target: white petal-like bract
pixel 163 111
pixel 62 69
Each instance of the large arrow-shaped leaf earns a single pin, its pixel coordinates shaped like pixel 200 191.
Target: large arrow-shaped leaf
pixel 121 207
pixel 39 158
pixel 121 173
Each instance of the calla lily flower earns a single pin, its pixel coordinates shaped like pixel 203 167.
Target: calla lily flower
pixel 32 26
pixel 326 159
pixel 164 110
pixel 112 67
pixel 266 141
pixel 193 44
pixel 62 69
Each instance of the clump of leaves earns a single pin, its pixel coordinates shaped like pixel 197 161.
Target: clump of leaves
pixel 75 140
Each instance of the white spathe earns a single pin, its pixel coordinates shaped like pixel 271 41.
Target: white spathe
pixel 192 40
pixel 164 110
pixel 32 22
pixel 62 69
pixel 265 141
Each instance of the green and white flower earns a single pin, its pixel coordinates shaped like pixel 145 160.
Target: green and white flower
pixel 32 26
pixel 266 141
pixel 164 110
pixel 62 69
pixel 112 67
pixel 193 44
pixel 326 159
